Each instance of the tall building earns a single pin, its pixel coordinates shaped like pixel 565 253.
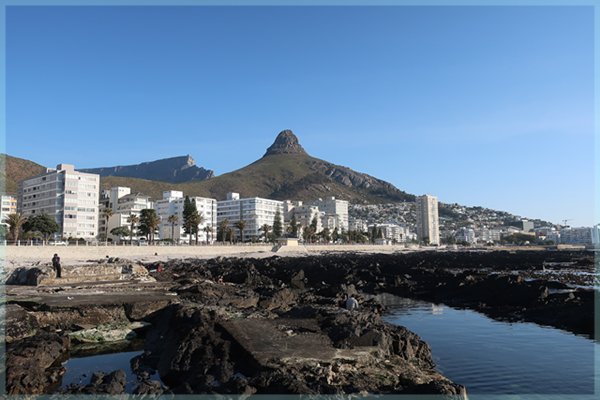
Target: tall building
pixel 428 226
pixel 172 204
pixel 255 211
pixel 9 206
pixel 596 235
pixel 69 196
pixel 338 209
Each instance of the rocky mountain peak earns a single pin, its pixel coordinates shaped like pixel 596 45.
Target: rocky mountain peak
pixel 285 143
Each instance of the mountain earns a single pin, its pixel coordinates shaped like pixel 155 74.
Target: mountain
pixel 174 170
pixel 13 170
pixel 286 171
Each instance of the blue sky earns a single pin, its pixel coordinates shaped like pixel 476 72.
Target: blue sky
pixel 489 106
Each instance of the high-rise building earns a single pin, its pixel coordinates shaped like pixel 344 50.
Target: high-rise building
pixel 172 203
pixel 338 209
pixel 68 196
pixel 428 226
pixel 9 206
pixel 254 211
pixel 596 235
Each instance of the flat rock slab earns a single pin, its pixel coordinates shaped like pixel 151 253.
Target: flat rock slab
pixel 281 338
pixel 99 294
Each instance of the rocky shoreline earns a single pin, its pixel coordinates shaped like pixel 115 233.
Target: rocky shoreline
pixel 277 325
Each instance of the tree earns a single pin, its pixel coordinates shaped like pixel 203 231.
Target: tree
pixel 208 230
pixel 277 225
pixel 15 222
pixel 293 228
pixel 149 223
pixel 325 235
pixel 173 220
pixel 223 230
pixel 191 218
pixel 133 220
pixel 241 225
pixel 198 220
pixel 335 235
pixel 108 212
pixel 266 228
pixel 120 231
pixel 373 233
pixel 312 229
pixel 42 224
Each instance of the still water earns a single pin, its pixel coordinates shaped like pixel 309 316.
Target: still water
pixel 492 357
pixel 79 370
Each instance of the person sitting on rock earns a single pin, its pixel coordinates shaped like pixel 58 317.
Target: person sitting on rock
pixel 351 303
pixel 56 265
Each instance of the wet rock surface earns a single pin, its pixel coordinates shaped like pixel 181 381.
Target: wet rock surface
pixel 277 325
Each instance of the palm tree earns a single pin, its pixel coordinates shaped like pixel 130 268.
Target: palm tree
pixel 173 220
pixel 265 230
pixel 208 230
pixel 15 221
pixel 241 225
pixel 133 221
pixel 223 228
pixel 108 212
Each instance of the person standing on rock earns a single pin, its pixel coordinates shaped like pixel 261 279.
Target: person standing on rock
pixel 56 265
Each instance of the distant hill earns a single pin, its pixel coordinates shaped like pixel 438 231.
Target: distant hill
pixel 174 170
pixel 13 170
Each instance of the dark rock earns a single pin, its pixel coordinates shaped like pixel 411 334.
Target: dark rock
pixel 28 276
pixel 19 323
pixel 33 363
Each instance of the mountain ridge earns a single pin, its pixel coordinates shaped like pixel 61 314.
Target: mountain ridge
pixel 173 169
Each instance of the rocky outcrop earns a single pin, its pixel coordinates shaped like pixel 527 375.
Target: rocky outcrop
pixel 213 351
pixel 174 170
pixel 33 364
pixel 285 143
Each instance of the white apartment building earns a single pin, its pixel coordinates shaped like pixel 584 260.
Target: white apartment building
pixel 9 206
pixel 465 235
pixel 527 225
pixel 172 204
pixel 487 235
pixel 576 236
pixel 336 208
pixel 123 204
pixel 255 211
pixel 391 232
pixel 428 225
pixel 69 196
pixel 304 215
pixel 357 224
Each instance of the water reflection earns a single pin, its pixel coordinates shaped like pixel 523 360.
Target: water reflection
pixel 493 357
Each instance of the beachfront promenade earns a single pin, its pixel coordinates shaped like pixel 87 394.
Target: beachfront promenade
pixel 81 253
